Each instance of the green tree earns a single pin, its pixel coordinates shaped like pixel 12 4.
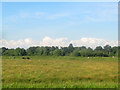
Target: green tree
pixel 20 51
pixel 98 48
pixel 57 52
pixel 76 53
pixel 107 49
pixel 70 48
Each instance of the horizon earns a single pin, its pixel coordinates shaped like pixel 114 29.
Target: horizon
pixel 59 47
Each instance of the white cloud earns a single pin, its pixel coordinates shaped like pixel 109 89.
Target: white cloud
pixel 47 41
pixel 20 43
pixel 93 42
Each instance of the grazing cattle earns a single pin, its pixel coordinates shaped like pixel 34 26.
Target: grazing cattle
pixel 27 58
pixel 23 57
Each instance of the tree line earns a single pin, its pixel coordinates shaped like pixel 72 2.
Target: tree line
pixel 106 51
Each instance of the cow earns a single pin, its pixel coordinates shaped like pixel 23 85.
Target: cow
pixel 23 57
pixel 27 58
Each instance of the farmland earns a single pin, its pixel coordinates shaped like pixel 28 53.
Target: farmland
pixel 59 72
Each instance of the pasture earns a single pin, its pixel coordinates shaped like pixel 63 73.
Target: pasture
pixel 59 72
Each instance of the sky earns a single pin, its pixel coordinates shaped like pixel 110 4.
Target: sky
pixel 91 24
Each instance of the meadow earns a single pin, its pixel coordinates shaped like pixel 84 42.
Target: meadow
pixel 59 72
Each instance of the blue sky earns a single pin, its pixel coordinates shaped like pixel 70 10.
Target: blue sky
pixel 60 20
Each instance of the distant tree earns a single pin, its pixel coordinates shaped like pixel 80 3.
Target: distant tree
pixel 70 48
pixel 90 49
pixel 89 52
pixel 20 52
pixel 62 51
pixel 57 52
pixel 75 53
pixel 23 52
pixel 52 48
pixel 83 48
pixel 66 51
pixel 99 53
pixel 107 49
pixel 84 53
pixel 98 48
pixel 31 51
pixel 51 53
pixel 39 51
pixel 11 52
pixel 45 51
pixel 114 50
pixel 4 49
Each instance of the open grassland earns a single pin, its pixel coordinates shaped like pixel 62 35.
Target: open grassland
pixel 60 72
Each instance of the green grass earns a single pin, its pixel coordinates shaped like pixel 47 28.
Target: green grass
pixel 60 72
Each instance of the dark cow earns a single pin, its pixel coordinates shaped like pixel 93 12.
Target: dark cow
pixel 27 58
pixel 23 57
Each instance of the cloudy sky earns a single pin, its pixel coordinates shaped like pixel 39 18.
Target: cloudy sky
pixel 59 24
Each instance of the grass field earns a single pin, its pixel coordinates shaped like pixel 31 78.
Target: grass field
pixel 60 72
